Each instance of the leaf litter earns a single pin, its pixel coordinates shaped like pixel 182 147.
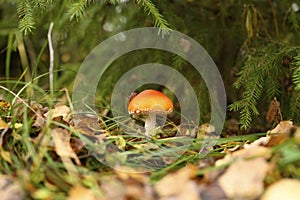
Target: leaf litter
pixel 237 169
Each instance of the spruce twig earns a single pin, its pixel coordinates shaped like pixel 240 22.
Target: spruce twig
pixel 159 20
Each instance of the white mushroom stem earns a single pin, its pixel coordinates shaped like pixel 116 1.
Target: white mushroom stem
pixel 150 124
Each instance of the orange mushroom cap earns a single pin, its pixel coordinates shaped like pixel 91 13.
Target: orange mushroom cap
pixel 150 100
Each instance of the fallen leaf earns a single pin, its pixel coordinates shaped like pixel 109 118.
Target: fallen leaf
pixel 61 138
pixel 60 111
pixel 87 125
pixel 263 141
pixel 5 155
pixel 280 133
pixel 136 184
pixel 77 145
pixel 283 189
pixel 10 189
pixel 284 127
pixel 179 185
pixel 297 133
pixel 3 124
pixel 213 191
pixel 274 113
pixel 276 136
pixel 246 153
pixel 79 192
pixel 35 109
pixel 244 179
pixel 41 193
pixel 113 188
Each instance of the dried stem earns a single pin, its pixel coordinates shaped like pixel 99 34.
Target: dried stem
pixel 51 58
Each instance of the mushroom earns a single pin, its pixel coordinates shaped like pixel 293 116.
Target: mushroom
pixel 150 103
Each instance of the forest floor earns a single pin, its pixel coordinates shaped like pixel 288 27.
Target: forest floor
pixel 50 153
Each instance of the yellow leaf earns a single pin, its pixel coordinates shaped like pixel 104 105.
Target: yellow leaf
pixel 121 143
pixel 283 189
pixel 78 193
pixel 3 124
pixel 5 155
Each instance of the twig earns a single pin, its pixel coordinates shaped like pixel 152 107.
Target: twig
pixel 51 58
pixel 68 98
pixel 275 18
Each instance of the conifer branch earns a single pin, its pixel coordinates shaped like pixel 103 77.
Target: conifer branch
pixel 296 74
pixel 77 10
pixel 159 20
pixel 262 76
pixel 25 12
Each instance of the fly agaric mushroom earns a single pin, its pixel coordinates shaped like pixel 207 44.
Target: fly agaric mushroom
pixel 150 103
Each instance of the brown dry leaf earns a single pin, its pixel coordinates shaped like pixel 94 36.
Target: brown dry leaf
pixel 280 133
pixel 244 179
pixel 276 139
pixel 10 189
pixel 113 188
pixel 179 185
pixel 77 145
pixel 61 138
pixel 39 122
pixel 247 153
pixel 78 193
pixel 297 133
pixel 39 115
pixel 274 113
pixel 276 136
pixel 37 111
pixel 284 127
pixel 283 189
pixel 87 124
pixel 136 184
pixel 211 192
pixel 60 111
